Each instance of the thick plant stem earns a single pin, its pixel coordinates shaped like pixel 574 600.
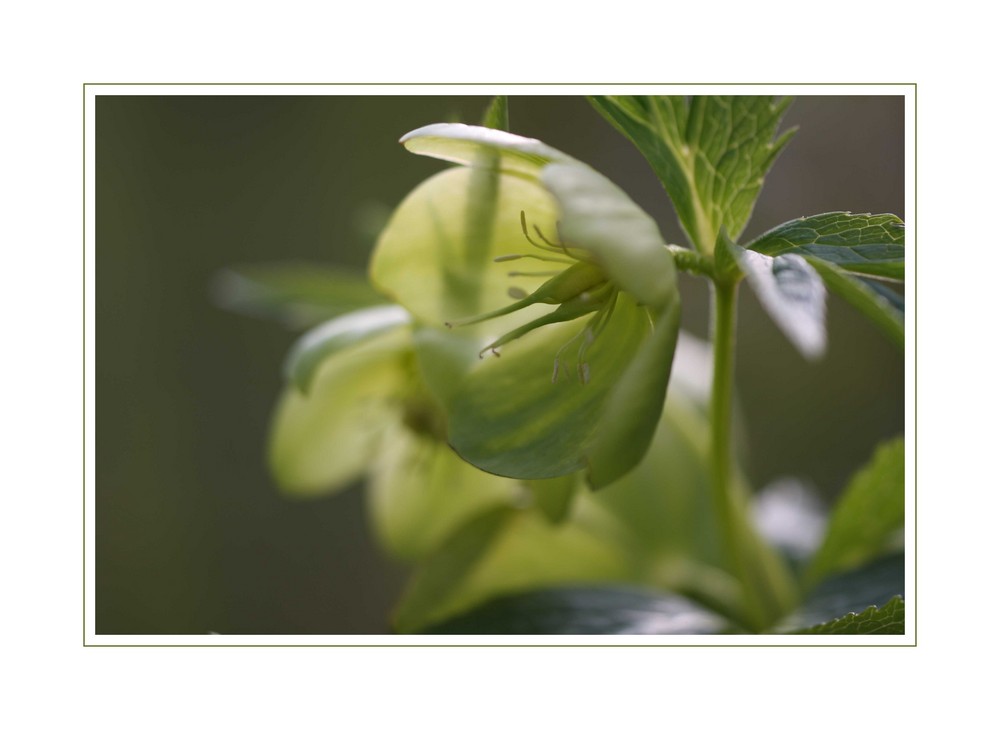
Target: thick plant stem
pixel 724 345
pixel 765 587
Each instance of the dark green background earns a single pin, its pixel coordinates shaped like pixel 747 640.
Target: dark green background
pixel 191 535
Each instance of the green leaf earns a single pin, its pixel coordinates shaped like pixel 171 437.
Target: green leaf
pixel 502 552
pixel 298 295
pixel 710 152
pixel 312 349
pixel 875 583
pixel 881 305
pixel 868 516
pixel 322 442
pixel 554 497
pixel 863 244
pixel 419 492
pixel 889 619
pixel 791 291
pixel 496 115
pixel 586 610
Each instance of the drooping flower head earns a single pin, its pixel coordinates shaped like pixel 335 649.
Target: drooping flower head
pixel 457 253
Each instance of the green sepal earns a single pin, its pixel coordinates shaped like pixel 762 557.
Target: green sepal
pixel 315 346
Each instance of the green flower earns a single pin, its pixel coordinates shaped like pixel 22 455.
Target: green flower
pixel 355 408
pixel 580 385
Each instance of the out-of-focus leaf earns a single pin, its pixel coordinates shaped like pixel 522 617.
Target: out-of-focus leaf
pixel 852 592
pixel 863 244
pixel 889 619
pixel 554 497
pixel 710 152
pixel 868 516
pixel 321 442
pixel 791 291
pixel 878 303
pixel 586 610
pixel 296 294
pixel 506 551
pixel 497 115
pixel 336 335
pixel 419 492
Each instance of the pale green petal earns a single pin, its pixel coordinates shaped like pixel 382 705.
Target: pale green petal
pixel 321 442
pixel 469 145
pixel 325 340
pixel 419 492
pixel 435 257
pixel 527 414
pixel 597 216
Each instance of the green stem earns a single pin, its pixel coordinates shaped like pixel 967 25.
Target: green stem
pixel 766 587
pixel 724 344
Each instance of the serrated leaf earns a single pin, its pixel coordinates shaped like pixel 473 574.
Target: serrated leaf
pixel 296 294
pixel 586 610
pixel 792 293
pixel 877 302
pixel 710 152
pixel 889 619
pixel 863 244
pixel 322 442
pixel 867 517
pixel 312 349
pixel 875 583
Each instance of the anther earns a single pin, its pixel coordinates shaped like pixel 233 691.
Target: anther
pixel 515 292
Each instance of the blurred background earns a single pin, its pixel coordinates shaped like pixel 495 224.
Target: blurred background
pixel 192 535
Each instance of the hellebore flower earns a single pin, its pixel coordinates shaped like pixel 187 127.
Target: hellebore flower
pixel 526 394
pixel 355 407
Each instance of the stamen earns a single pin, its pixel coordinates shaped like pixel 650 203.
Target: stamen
pixel 533 273
pixel 561 246
pixel 516 292
pixel 516 256
pixel 524 230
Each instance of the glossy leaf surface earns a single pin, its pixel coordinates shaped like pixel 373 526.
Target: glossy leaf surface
pixel 791 291
pixel 873 584
pixel 881 305
pixel 864 244
pixel 889 619
pixel 586 610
